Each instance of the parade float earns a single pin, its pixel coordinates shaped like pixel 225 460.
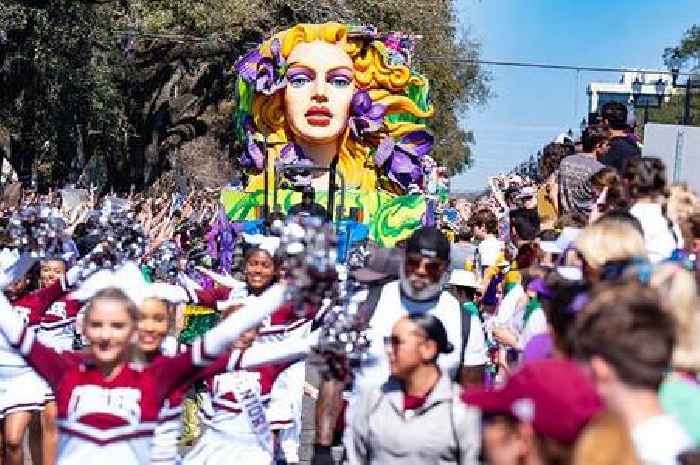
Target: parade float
pixel 339 108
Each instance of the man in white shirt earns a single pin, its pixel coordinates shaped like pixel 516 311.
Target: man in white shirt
pixel 420 289
pixel 627 340
pixel 485 229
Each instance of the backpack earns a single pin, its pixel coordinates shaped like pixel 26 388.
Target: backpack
pixel 466 321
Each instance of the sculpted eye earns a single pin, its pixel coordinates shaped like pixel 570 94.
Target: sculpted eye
pixel 299 80
pixel 340 81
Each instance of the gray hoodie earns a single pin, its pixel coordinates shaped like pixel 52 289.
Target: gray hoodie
pixel 444 431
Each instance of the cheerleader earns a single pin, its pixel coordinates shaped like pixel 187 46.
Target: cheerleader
pixel 108 406
pixel 240 414
pixel 57 326
pixel 57 330
pixel 22 391
pixel 260 271
pixel 156 342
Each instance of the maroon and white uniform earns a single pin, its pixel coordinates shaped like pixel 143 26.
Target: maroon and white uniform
pixel 231 422
pixel 112 420
pixel 224 415
pixel 277 326
pixel 57 327
pixel 285 322
pixel 21 388
pixel 33 306
pixel 164 450
pixel 167 431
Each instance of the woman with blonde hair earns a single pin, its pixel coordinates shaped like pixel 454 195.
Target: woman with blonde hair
pixel 682 205
pixel 680 391
pixel 616 236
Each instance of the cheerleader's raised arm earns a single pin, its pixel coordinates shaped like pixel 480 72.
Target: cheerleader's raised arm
pixel 171 372
pixel 175 371
pixel 106 404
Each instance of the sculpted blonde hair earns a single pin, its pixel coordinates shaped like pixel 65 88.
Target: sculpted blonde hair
pixel 387 84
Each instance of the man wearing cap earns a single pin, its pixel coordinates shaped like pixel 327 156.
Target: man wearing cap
pixel 423 274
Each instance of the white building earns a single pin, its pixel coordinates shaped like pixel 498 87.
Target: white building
pixel 647 85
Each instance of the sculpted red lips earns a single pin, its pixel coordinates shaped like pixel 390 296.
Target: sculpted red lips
pixel 318 116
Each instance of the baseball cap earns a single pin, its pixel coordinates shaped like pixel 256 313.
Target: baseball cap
pixel 429 242
pixel 381 264
pixel 555 396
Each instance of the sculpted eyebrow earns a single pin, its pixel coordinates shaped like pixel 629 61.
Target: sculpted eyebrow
pixel 340 70
pixel 298 69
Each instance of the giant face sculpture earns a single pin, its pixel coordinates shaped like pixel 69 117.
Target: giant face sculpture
pixel 322 92
pixel 319 90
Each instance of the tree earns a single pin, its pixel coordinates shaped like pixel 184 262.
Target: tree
pixel 125 91
pixel 686 51
pixel 679 57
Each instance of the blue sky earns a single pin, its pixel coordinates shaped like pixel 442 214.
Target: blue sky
pixel 532 106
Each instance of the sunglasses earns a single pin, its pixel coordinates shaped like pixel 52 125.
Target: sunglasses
pixel 394 341
pixel 433 268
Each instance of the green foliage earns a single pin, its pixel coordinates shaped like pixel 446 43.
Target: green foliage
pixel 77 105
pixel 686 51
pixel 672 111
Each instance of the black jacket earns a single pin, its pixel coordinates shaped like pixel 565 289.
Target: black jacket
pixel 621 151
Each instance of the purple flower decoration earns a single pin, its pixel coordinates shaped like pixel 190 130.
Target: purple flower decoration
pixel 252 156
pixel 393 41
pixel 292 154
pixel 268 73
pixel 402 159
pixel 247 67
pixel 367 116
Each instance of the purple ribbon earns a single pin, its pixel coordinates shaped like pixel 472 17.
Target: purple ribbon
pixel 226 233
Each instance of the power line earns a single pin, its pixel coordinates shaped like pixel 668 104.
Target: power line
pixel 520 64
pixel 523 64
